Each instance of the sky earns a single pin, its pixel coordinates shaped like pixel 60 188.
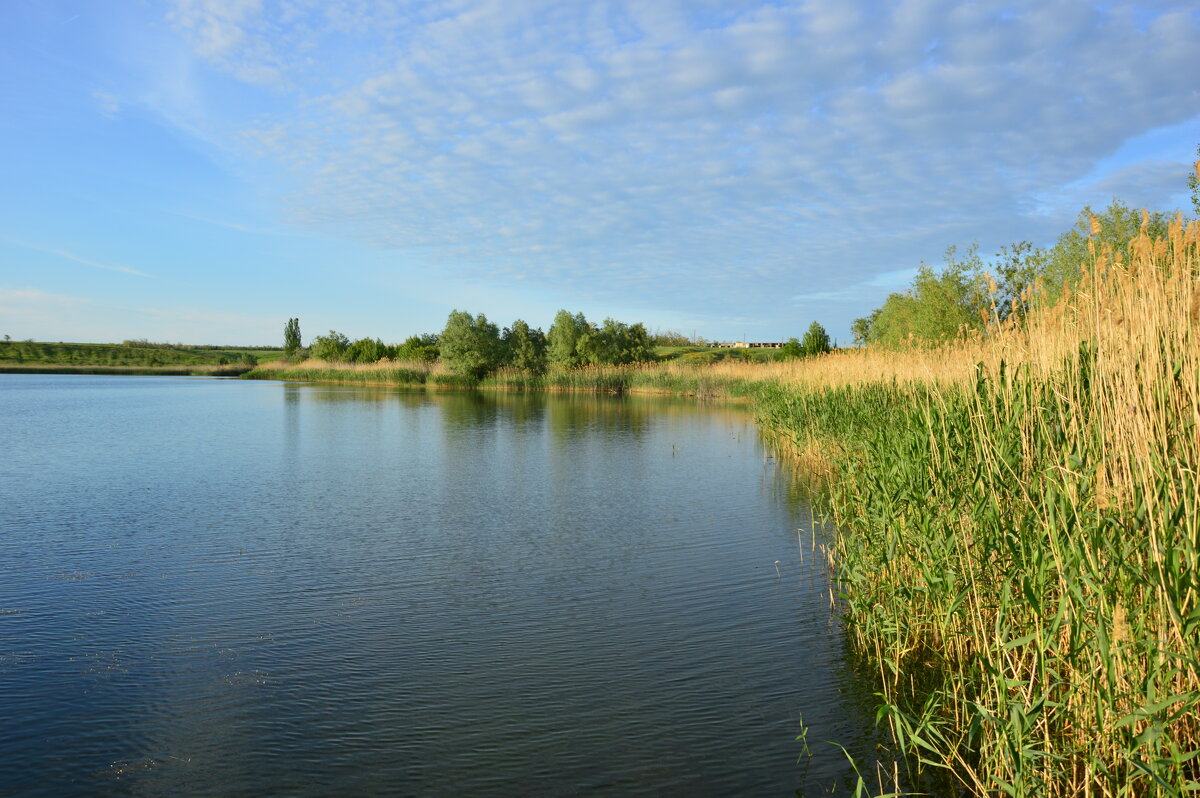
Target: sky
pixel 200 171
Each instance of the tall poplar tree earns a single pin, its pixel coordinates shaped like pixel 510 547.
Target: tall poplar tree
pixel 291 337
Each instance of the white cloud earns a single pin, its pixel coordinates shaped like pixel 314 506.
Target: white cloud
pixel 14 300
pixel 109 104
pixel 1146 185
pixel 733 148
pixel 879 285
pixel 223 32
pixel 62 253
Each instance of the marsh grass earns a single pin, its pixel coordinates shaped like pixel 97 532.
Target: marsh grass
pixel 1019 537
pixel 385 372
pixel 680 378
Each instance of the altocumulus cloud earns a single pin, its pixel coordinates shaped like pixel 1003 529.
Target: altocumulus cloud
pixel 741 152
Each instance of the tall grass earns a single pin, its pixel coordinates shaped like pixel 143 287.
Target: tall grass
pixel 385 372
pixel 1019 536
pixel 681 378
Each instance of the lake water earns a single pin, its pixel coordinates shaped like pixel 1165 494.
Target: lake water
pixel 225 587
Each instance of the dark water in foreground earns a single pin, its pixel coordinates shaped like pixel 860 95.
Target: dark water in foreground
pixel 222 587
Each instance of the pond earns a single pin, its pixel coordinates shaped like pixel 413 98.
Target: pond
pixel 220 587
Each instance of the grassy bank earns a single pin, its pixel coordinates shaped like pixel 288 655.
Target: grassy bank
pixel 129 355
pixel 1019 534
pixel 138 371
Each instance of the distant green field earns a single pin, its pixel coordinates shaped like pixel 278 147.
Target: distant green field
pixel 131 354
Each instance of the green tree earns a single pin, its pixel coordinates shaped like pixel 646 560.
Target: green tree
pixel 525 347
pixel 816 340
pixel 615 343
pixel 1118 226
pixel 861 328
pixel 1014 276
pixel 470 345
pixel 291 337
pixel 423 348
pixel 562 342
pixel 791 349
pixel 330 347
pixel 938 306
pixel 367 350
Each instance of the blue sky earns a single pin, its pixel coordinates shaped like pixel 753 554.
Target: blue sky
pixel 201 170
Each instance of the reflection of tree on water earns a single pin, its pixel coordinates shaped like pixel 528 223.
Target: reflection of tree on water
pixel 576 415
pixel 468 410
pixel 567 415
pixel 330 393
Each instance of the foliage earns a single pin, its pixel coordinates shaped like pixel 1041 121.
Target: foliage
pixel 969 294
pixel 331 347
pixel 816 340
pixel 791 349
pixel 1011 282
pixel 861 328
pixel 418 348
pixel 470 346
pixel 525 348
pixel 614 343
pixel 291 337
pixel 1114 228
pixel 367 350
pixel 562 342
pixel 938 307
pixel 670 338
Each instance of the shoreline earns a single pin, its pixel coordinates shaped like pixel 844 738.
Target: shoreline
pixel 131 371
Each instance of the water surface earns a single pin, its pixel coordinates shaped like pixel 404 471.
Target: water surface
pixel 225 587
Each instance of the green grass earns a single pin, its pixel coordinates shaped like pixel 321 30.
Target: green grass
pixel 29 355
pixel 235 370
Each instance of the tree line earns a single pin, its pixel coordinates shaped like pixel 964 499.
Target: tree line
pixel 474 346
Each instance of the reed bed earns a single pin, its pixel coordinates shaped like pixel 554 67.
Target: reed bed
pixel 1019 536
pixel 385 372
pixel 676 378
